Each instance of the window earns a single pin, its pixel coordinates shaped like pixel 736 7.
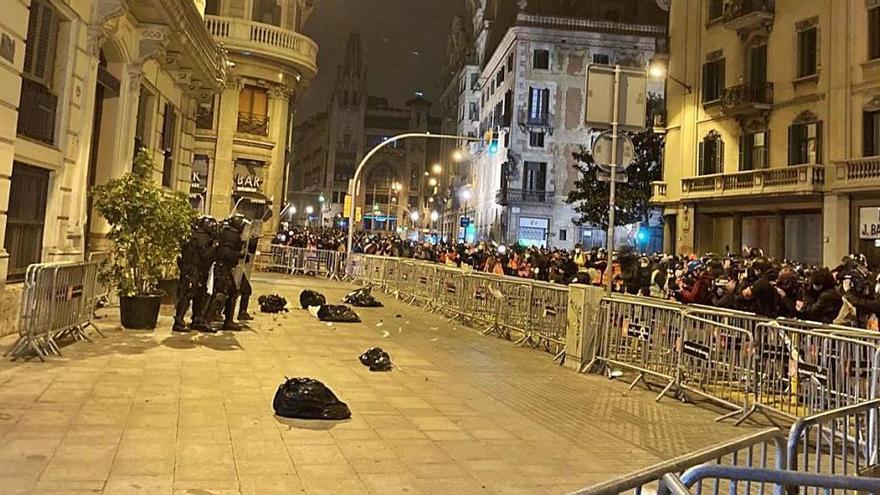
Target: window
pixel 807 46
pixel 535 176
pixel 713 80
pixel 38 102
pixel 753 150
pixel 716 10
pixel 601 58
pixel 267 12
pixel 805 143
pixel 758 65
pixel 539 102
pixel 563 235
pixel 169 128
pixel 711 160
pixel 205 114
pixel 536 139
pixel 871 131
pixel 42 43
pixel 499 78
pixel 874 33
pixel 510 63
pixel 253 106
pixel 26 218
pixel 146 110
pixel 475 81
pixel 541 59
pixel 212 7
pixel 473 111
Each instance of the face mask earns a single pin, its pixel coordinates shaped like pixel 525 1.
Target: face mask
pixel 817 288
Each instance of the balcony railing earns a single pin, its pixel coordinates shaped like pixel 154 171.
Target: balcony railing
pixel 748 14
pixel 800 179
pixel 265 39
pixel 535 120
pixel 506 197
pixel 658 192
pixel 249 123
pixel 857 173
pixel 36 112
pixel 747 98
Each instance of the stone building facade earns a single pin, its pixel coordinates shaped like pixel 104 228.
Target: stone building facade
pixel 530 64
pixel 774 132
pixel 86 83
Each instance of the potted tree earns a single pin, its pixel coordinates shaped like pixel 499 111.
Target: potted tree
pixel 147 226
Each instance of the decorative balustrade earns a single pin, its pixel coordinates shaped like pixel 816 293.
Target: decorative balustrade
pixel 658 194
pixel 746 14
pixel 265 39
pixel 800 179
pixel 857 173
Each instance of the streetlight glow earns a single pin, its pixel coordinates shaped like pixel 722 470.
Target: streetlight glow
pixel 434 216
pixel 657 71
pixel 437 169
pixel 457 155
pixel 466 195
pixel 309 210
pixel 432 182
pixel 415 216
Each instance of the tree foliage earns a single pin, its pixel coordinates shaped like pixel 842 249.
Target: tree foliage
pixel 147 226
pixel 590 196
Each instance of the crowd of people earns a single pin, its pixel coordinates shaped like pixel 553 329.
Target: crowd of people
pixel 848 294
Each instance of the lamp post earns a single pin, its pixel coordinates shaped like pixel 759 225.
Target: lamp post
pixel 354 184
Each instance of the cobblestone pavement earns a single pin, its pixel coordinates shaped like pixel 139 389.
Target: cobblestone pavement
pixel 152 412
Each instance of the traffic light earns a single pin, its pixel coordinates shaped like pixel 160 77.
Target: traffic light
pixel 491 138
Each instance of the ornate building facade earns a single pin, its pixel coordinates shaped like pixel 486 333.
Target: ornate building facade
pixel 87 83
pixel 520 68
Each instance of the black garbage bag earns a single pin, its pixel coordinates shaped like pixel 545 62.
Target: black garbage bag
pixel 338 313
pixel 376 359
pixel 273 303
pixel 307 398
pixel 311 298
pixel 362 298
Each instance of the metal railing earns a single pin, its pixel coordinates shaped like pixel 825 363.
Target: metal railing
pixel 747 94
pixel 303 261
pixel 250 123
pixel 737 9
pixel 734 480
pixel 57 302
pixel 522 196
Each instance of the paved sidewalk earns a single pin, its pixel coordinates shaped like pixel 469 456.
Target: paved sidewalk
pixel 152 412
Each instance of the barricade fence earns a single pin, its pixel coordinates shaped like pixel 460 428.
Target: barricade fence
pixel 535 311
pixel 57 302
pixel 293 260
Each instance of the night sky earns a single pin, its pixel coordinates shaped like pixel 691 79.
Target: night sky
pixel 404 46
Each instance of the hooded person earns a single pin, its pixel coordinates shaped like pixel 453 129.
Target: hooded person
pixel 194 265
pixel 821 300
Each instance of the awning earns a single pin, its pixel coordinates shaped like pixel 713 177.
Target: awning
pixel 255 197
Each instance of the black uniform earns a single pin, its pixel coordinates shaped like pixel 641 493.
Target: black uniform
pixel 194 264
pixel 230 249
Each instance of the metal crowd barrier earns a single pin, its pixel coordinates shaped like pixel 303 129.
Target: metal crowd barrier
pixel 735 480
pixel 763 449
pixel 535 311
pixel 103 292
pixel 293 260
pixel 57 302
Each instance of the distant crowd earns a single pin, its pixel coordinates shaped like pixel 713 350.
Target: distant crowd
pixel 847 294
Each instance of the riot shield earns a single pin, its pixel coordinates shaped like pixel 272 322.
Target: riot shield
pixel 240 268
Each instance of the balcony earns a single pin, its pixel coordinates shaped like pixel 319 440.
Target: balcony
pixel 248 38
pixel 36 116
pixel 505 197
pixel 799 179
pixel 540 121
pixel 658 192
pixel 744 15
pixel 749 98
pixel 857 174
pixel 257 125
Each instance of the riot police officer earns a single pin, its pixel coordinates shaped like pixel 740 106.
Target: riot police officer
pixel 194 264
pixel 229 253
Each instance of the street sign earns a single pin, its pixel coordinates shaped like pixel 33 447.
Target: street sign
pixel 465 221
pixel 620 178
pixel 626 151
pixel 632 100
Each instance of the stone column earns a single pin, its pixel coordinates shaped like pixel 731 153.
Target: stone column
pixel 221 170
pixel 279 99
pixel 835 228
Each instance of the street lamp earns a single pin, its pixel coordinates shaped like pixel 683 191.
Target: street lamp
pixel 434 216
pixel 414 216
pixel 432 182
pixel 437 169
pixel 659 70
pixel 457 155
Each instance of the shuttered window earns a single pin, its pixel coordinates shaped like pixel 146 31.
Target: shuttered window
pixel 169 127
pixel 754 150
pixel 711 156
pixel 874 33
pixel 42 43
pixel 808 52
pixel 805 143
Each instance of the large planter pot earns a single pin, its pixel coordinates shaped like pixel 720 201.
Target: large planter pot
pixel 139 312
pixel 169 290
